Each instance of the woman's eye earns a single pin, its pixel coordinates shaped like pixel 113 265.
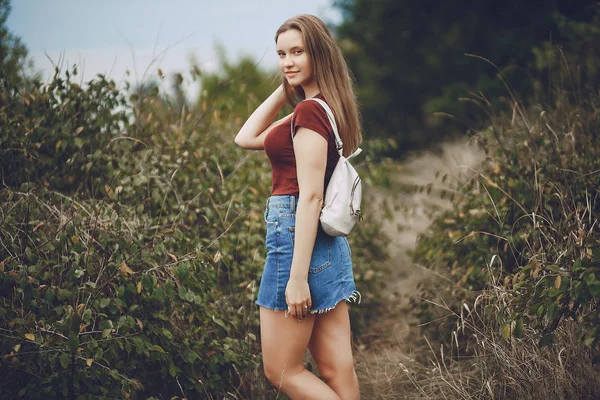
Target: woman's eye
pixel 298 51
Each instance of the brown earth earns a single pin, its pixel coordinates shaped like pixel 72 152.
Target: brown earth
pixel 391 343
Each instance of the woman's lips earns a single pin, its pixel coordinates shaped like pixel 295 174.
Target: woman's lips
pixel 291 74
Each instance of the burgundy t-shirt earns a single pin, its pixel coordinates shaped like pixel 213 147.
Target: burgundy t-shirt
pixel 280 149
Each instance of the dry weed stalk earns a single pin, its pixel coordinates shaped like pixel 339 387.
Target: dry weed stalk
pixel 483 363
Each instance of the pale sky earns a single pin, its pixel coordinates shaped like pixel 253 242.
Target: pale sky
pixel 112 36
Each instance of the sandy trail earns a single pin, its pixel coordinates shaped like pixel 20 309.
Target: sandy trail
pixel 412 212
pixel 417 209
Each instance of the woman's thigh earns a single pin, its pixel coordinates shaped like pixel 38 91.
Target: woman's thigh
pixel 331 343
pixel 284 340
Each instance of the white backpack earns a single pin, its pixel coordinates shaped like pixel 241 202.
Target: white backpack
pixel 341 207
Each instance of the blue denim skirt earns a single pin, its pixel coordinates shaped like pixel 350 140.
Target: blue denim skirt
pixel 330 272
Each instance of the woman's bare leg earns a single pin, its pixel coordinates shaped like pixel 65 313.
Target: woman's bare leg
pixel 330 346
pixel 284 342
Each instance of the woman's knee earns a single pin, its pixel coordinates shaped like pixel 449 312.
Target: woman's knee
pixel 272 373
pixel 275 372
pixel 341 371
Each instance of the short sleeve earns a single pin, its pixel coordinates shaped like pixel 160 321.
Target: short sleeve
pixel 311 115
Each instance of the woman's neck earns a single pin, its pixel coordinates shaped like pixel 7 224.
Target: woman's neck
pixel 310 90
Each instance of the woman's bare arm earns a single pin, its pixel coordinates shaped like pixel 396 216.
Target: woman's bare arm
pixel 311 160
pixel 253 132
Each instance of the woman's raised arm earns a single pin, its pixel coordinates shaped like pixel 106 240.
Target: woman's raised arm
pixel 254 130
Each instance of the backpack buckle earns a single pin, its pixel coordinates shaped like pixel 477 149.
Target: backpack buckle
pixel 356 212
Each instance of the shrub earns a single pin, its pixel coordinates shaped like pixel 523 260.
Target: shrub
pixel 52 131
pixel 132 241
pixel 534 206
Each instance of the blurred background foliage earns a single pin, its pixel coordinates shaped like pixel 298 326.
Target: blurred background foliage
pixel 410 59
pixel 131 229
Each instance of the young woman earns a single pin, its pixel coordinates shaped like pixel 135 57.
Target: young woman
pixel 307 273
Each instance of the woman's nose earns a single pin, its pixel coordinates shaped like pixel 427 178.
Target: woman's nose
pixel 288 62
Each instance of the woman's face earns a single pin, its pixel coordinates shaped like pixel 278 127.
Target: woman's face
pixel 294 62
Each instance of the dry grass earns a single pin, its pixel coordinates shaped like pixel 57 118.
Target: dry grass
pixel 395 361
pixel 482 364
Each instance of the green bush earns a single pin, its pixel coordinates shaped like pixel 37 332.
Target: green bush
pixel 132 241
pixel 528 219
pixel 51 131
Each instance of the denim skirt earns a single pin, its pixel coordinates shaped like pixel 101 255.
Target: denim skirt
pixel 330 276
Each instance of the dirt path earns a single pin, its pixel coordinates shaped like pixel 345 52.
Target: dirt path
pixel 379 360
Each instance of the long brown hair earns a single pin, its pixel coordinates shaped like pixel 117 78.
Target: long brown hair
pixel 332 76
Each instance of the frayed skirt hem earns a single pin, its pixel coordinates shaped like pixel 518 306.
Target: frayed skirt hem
pixel 354 297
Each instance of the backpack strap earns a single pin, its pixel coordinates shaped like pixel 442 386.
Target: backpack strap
pixel 338 140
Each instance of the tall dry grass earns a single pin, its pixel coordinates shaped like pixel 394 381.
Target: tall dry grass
pixel 525 327
pixel 482 362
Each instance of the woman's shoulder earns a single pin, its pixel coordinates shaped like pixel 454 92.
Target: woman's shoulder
pixel 308 108
pixel 310 114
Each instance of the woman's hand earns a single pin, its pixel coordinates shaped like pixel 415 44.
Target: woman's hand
pixel 297 297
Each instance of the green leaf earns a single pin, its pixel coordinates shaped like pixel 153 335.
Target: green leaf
pixel 148 282
pixel 158 294
pixel 182 271
pixel 590 336
pixel 172 369
pixel 506 331
pixel 90 284
pixel 106 324
pixel 103 302
pixel 576 290
pixel 167 333
pixel 169 289
pixel 87 316
pixel 591 278
pixel 92 344
pixel 190 356
pixel 219 322
pixel 519 328
pixel 157 348
pixel 73 342
pixel 541 310
pixel 595 289
pixel 29 253
pixel 64 360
